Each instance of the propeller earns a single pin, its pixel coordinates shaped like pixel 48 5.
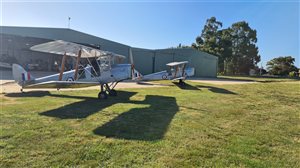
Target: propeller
pixel 135 75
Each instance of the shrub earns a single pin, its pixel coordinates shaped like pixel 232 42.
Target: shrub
pixel 292 74
pixel 220 74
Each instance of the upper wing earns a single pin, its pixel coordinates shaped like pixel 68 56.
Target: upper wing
pixel 62 84
pixel 71 49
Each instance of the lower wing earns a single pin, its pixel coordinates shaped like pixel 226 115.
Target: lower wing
pixel 179 78
pixel 62 84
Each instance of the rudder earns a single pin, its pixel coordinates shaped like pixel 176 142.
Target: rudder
pixel 20 75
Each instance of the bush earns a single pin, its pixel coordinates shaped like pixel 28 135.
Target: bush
pixel 220 74
pixel 292 74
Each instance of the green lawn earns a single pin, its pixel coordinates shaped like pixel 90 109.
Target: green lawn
pixel 248 125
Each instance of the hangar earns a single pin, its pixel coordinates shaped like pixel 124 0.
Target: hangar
pixel 16 41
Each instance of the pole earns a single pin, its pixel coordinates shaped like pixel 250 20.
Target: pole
pixel 69 18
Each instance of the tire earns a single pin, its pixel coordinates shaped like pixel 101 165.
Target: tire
pixel 181 82
pixel 113 92
pixel 70 79
pixel 102 95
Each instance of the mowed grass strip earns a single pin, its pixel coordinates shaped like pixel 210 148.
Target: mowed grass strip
pixel 249 125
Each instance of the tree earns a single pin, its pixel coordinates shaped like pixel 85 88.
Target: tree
pixel 208 40
pixel 235 46
pixel 225 52
pixel 281 65
pixel 244 50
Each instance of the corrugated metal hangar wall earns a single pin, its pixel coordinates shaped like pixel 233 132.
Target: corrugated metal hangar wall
pixel 145 60
pixel 155 60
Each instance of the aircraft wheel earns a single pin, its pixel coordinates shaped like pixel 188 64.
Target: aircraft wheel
pixel 70 79
pixel 102 95
pixel 113 92
pixel 181 83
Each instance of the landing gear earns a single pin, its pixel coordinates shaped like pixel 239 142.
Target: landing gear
pixel 181 82
pixel 113 92
pixel 107 90
pixel 102 95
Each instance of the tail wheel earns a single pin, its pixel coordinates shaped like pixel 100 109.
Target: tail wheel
pixel 102 95
pixel 113 92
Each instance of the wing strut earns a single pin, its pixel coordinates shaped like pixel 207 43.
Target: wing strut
pixel 184 65
pixel 62 68
pixel 176 72
pixel 132 64
pixel 77 65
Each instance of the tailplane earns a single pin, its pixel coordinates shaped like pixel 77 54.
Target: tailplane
pixel 20 75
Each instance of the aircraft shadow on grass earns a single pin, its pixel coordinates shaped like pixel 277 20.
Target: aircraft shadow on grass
pixel 216 89
pixel 80 109
pixel 187 86
pixel 148 123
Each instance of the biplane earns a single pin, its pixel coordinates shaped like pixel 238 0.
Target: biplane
pixel 177 71
pixel 103 68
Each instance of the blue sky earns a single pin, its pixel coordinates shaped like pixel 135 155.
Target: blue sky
pixel 165 24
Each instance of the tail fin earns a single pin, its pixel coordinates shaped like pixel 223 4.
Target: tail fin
pixel 20 75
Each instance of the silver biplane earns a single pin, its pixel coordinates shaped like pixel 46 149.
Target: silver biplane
pixel 177 71
pixel 105 69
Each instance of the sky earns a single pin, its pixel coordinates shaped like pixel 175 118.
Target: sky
pixel 162 24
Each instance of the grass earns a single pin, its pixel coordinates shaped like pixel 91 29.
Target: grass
pixel 201 125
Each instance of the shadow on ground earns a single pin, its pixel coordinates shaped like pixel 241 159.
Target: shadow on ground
pixel 148 123
pixel 29 94
pixel 186 86
pixel 144 83
pixel 80 109
pixel 216 89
